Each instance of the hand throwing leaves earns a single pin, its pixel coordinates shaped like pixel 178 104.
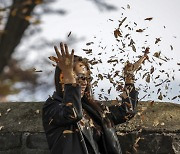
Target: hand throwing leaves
pixel 65 60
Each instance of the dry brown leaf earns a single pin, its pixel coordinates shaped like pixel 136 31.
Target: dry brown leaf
pixel 69 34
pixel 160 97
pixel 37 111
pixel 121 22
pixel 1 127
pixel 117 33
pixel 28 18
pixel 148 78
pixel 152 70
pixel 105 98
pixel 109 90
pixel 133 48
pixel 36 22
pixel 156 122
pixel 14 12
pixel 171 47
pixel 144 75
pixel 151 103
pixel 89 43
pixel 157 54
pixel 140 30
pixel 158 90
pixel 150 18
pixel 157 77
pixel 112 60
pixel 50 121
pixel 100 76
pixel 67 131
pixel 87 51
pixel 174 97
pixel 8 110
pixel 157 40
pixel 95 83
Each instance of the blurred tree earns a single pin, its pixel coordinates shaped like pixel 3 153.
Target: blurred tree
pixel 15 19
pixel 17 23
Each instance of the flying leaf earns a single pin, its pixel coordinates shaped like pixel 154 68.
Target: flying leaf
pixel 171 47
pixel 160 97
pixel 117 33
pixel 140 30
pixel 158 90
pixel 109 90
pixel 100 76
pixel 95 83
pixel 151 103
pixel 152 70
pixel 1 127
pixel 87 51
pixel 149 19
pixel 121 22
pixel 89 43
pixel 174 97
pixel 157 40
pixel 133 48
pixel 28 18
pixel 144 75
pixel 157 54
pixel 69 34
pixel 148 78
pixel 67 131
pixel 112 60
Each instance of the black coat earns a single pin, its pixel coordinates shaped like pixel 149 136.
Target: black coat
pixel 64 132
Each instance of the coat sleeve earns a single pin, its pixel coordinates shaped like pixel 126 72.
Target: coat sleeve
pixel 124 112
pixel 65 112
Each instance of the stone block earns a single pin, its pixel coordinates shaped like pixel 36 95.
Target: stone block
pixel 37 141
pixel 10 141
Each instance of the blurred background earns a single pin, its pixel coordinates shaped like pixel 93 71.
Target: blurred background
pixel 108 33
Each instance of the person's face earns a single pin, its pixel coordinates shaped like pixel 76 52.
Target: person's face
pixel 81 72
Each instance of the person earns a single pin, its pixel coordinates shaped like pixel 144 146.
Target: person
pixel 73 121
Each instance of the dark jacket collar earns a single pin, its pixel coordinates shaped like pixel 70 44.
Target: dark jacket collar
pixel 85 106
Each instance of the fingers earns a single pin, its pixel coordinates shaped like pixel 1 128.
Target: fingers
pixel 62 49
pixel 72 55
pixel 57 52
pixel 66 49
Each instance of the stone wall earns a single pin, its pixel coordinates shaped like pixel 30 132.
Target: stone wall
pixel 155 129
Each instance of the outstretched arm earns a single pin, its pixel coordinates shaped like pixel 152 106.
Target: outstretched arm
pixel 127 109
pixel 137 64
pixel 124 112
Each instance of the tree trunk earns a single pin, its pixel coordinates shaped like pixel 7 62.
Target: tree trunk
pixel 18 22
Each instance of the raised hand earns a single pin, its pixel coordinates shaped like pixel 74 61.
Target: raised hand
pixel 65 61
